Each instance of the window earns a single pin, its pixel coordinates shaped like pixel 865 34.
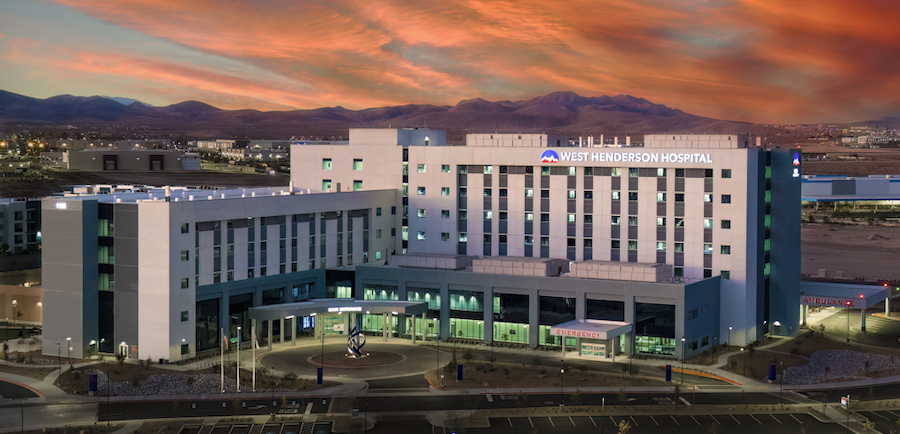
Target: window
pixel 486 238
pixel 726 224
pixel 502 215
pixel 488 169
pixel 588 171
pixel 632 195
pixel 679 173
pixel 614 220
pixel 707 223
pixel 445 213
pixel 420 235
pixel 463 191
pixel 378 211
pixel 445 191
pixel 529 192
pixel 660 246
pixel 570 242
pixel 726 173
pixel 725 250
pixel 463 169
pixel 393 210
pixel 326 185
pixel 545 241
pixel 615 244
pixel 660 221
pixel 632 172
pixel 487 192
pixel 184 283
pixel 588 219
pixel 570 218
pixel 185 316
pixel 463 215
pixel 679 222
pixel 632 220
pixel 660 197
pixel 326 164
pixel 545 170
pixel 529 216
pixel 420 190
pixel 488 215
pixel 616 171
pixel 185 228
pixel 679 197
pixel 503 192
pixel 378 233
pixel 661 172
pixel 570 194
pixel 420 212
pixel 589 195
pixel 615 195
pixel 726 198
pixel 445 236
pixel 357 185
pixel 679 247
pixel 545 217
pixel 445 168
pixel 529 240
pixel 571 171
pixel 421 168
pixel 707 273
pixel 463 237
pixel 708 173
pixel 504 169
pixel 545 193
pixel 357 164
pixel 184 255
pixel 632 245
pixel 707 248
pixel 707 198
pixel 726 275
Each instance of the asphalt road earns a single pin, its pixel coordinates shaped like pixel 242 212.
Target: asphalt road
pixel 879 331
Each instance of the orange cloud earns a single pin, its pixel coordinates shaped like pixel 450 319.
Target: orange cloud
pixel 755 60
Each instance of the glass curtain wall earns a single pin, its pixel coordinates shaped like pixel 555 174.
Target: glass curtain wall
pixel 654 328
pixel 432 297
pixel 553 311
pixel 467 314
pixel 511 318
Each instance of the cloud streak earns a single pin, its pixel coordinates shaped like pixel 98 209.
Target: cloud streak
pixel 755 60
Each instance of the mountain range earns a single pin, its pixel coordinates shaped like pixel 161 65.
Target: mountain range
pixel 564 112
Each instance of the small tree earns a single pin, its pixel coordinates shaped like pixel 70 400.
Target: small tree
pixel 5 351
pixel 575 399
pixel 624 426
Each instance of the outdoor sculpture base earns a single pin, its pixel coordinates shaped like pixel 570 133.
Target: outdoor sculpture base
pixel 357 356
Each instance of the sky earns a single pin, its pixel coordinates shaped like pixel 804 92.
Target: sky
pixel 764 61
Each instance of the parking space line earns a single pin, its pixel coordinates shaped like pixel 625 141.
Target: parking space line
pixel 592 421
pixel 489 397
pixel 673 420
pixel 654 420
pixel 510 422
pixel 757 420
pixel 570 420
pixel 891 412
pixel 529 421
pixel 632 419
pixel 695 420
pixel 613 421
pixel 776 419
pixel 795 418
pixel 735 419
pixel 876 414
pixel 551 422
pixel 714 418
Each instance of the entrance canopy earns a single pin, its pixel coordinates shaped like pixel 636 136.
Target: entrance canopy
pixel 841 294
pixel 337 305
pixel 591 329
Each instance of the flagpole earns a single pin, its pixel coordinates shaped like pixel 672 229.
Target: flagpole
pixel 253 347
pixel 222 357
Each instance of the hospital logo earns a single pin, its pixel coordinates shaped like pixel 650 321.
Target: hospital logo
pixel 549 156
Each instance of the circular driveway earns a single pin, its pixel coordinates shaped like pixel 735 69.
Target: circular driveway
pixel 416 359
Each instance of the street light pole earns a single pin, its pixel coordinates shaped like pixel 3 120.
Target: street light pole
pixel 69 350
pixel 239 359
pixel 682 361
pixel 781 399
pixel 562 370
pixel 744 357
pixel 59 358
pixel 728 344
pixel 848 322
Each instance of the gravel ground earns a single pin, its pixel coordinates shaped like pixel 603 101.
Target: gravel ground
pixel 164 384
pixel 831 365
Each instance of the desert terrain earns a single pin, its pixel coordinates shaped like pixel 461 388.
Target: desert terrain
pixel 859 251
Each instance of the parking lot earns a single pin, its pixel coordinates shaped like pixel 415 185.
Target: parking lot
pixel 885 420
pixel 721 423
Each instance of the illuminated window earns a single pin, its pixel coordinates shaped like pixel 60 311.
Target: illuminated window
pixel 357 164
pixel 326 164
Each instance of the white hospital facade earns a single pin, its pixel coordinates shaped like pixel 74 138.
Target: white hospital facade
pixel 515 238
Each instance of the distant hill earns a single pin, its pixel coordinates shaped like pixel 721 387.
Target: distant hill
pixel 564 112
